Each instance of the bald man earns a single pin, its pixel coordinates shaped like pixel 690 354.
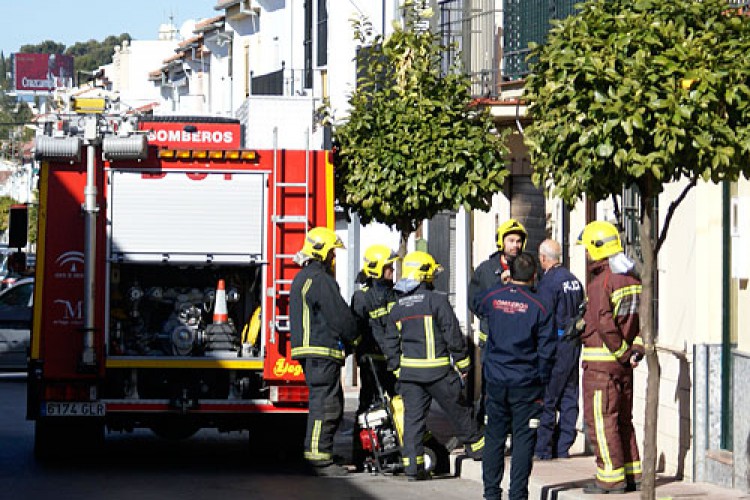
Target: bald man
pixel 565 293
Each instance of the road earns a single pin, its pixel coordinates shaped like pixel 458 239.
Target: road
pixel 208 465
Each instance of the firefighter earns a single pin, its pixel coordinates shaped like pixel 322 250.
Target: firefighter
pixel 612 347
pixel 370 305
pixel 565 294
pixel 517 364
pixel 425 347
pixel 322 325
pixel 511 240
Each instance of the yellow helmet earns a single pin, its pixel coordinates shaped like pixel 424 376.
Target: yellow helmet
pixel 376 258
pixel 319 241
pixel 601 239
pixel 511 226
pixel 421 266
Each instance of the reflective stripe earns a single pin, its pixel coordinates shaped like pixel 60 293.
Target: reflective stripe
pixel 638 340
pixel 464 363
pixel 429 338
pixel 477 445
pixel 610 476
pixel 317 456
pixel 603 354
pixel 594 354
pixel 378 313
pixel 319 351
pixel 633 468
pixel 424 363
pixel 314 453
pixel 627 298
pixel 305 313
pixel 601 437
pixel 420 459
pixel 623 348
pixel 377 357
pixel 482 337
pixel 405 461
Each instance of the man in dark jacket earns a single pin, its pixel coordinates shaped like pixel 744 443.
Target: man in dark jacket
pixel 517 366
pixel 564 293
pixel 321 326
pixel 425 346
pixel 370 305
pixel 511 240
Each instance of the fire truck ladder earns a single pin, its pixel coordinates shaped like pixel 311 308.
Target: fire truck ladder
pixel 283 191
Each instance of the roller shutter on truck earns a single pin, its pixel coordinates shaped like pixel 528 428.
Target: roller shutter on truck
pixel 182 217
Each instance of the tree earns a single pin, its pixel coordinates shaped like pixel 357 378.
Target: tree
pixel 413 145
pixel 45 47
pixel 641 93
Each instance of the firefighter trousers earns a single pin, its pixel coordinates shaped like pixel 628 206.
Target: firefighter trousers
pixel 517 409
pixel 608 412
pixel 557 435
pixel 418 397
pixel 326 408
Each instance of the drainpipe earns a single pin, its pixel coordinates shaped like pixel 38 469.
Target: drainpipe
pixel 726 318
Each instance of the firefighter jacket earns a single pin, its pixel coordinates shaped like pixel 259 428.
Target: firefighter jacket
pixel 521 341
pixel 423 337
pixel 612 333
pixel 320 320
pixel 563 292
pixel 371 305
pixel 486 275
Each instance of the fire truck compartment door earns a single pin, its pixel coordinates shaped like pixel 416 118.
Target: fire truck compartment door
pixel 187 218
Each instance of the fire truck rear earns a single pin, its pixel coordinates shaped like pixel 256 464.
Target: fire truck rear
pixel 164 266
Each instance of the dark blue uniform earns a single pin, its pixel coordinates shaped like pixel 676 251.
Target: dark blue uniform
pixel 517 365
pixel 424 342
pixel 321 323
pixel 564 293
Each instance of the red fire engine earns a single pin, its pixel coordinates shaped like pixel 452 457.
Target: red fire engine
pixel 164 262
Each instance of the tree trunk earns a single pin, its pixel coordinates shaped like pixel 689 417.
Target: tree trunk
pixel 648 490
pixel 402 241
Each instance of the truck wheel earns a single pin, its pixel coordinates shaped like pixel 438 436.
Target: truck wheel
pixel 47 440
pixel 282 435
pixel 175 431
pixel 58 440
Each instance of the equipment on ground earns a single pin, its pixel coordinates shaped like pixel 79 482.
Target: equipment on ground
pixel 381 433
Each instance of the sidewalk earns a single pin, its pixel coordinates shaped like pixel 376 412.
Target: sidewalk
pixel 554 479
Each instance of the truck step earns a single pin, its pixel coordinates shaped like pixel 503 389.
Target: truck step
pixel 290 219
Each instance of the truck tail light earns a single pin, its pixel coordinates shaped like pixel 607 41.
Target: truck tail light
pixel 288 394
pixel 69 392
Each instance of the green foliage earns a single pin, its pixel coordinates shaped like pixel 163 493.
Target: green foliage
pixel 413 145
pixel 88 55
pixel 92 54
pixel 45 47
pixel 5 203
pixel 643 92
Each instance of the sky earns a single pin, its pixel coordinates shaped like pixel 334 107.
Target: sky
pixel 70 21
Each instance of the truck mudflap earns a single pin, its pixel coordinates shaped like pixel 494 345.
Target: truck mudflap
pixel 198 407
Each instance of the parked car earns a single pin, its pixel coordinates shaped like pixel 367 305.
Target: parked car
pixel 15 324
pixel 9 277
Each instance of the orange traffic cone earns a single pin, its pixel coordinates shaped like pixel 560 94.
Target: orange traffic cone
pixel 220 306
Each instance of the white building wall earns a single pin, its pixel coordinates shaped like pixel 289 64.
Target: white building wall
pixel 132 63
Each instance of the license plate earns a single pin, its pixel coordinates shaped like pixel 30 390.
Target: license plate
pixel 70 409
